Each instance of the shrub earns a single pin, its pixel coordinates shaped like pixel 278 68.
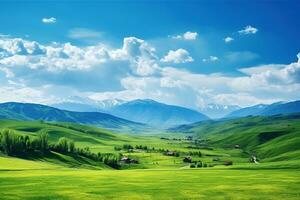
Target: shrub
pixel 199 164
pixel 228 163
pixel 192 165
pixel 117 148
pixel 127 146
pixel 187 159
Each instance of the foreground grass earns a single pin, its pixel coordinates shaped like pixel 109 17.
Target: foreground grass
pixel 150 184
pixel 59 176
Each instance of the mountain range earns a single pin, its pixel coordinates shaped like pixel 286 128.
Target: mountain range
pixel 29 111
pixel 145 111
pixel 134 115
pixel 217 111
pixel 156 114
pixel 267 110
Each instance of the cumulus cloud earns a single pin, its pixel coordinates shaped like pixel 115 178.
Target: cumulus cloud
pixel 178 56
pixel 210 59
pixel 91 68
pixel 30 71
pixel 228 39
pixel 256 86
pixel 51 20
pixel 186 36
pixel 248 30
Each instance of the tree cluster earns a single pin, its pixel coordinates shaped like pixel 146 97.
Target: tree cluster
pixel 13 144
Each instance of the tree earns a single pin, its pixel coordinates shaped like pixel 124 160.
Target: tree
pixel 62 145
pixel 6 141
pixel 42 142
pixel 72 146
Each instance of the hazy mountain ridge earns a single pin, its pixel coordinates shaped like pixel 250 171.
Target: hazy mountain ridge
pixel 157 114
pixel 141 110
pixel 29 111
pixel 267 110
pixel 216 111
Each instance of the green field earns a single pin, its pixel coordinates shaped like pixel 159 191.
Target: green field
pixel 150 184
pixel 156 175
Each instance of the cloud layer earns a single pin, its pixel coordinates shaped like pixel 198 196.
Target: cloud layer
pixel 33 72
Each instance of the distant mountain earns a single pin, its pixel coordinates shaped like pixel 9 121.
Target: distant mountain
pixel 282 108
pixel 77 107
pixel 243 112
pixel 109 103
pixel 28 111
pixel 156 114
pixel 88 105
pixel 267 110
pixel 216 111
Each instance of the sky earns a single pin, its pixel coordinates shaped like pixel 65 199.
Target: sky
pixel 188 53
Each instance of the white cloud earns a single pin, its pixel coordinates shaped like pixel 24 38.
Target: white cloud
pixel 249 89
pixel 248 30
pixel 51 20
pixel 30 71
pixel 190 35
pixel 228 39
pixel 78 33
pixel 186 36
pixel 210 59
pixel 178 56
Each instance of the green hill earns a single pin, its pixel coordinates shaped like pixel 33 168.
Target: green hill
pixel 274 138
pixel 32 112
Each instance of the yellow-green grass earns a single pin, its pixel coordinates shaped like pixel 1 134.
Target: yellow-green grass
pixel 62 176
pixel 149 184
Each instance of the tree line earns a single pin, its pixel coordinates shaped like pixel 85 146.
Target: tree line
pixel 14 144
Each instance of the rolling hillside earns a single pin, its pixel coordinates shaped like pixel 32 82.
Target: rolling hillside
pixel 27 111
pixel 271 138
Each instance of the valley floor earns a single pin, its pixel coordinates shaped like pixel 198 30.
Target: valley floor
pixel 157 175
pixel 48 182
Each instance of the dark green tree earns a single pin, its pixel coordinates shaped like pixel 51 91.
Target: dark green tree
pixel 42 142
pixel 62 145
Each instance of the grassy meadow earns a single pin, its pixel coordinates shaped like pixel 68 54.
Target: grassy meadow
pixel 50 182
pixel 156 175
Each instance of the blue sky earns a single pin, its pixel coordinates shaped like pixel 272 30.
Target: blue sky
pixel 164 50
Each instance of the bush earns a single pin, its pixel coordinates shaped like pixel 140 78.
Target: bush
pixel 199 164
pixel 228 163
pixel 187 159
pixel 192 165
pixel 117 148
pixel 127 146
